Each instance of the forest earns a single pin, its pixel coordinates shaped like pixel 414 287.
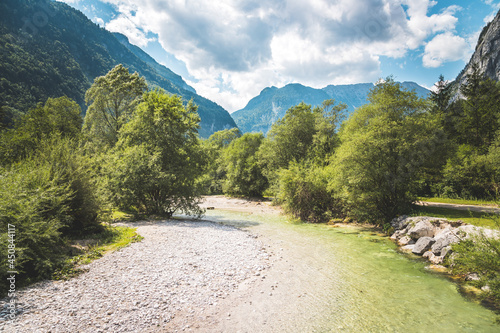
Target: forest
pixel 138 150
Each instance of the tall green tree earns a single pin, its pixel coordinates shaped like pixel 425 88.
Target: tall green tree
pixel 214 171
pixel 441 96
pixel 243 171
pixel 158 158
pixel 290 138
pixel 480 111
pixel 57 117
pixel 329 116
pixel 384 146
pixel 111 100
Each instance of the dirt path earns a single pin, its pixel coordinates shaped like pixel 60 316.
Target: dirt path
pixel 473 208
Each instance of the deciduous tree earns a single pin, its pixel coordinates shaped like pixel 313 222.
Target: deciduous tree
pixel 111 100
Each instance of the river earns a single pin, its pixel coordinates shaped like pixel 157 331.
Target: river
pixel 342 279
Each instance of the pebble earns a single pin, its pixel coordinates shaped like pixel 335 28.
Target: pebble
pixel 182 265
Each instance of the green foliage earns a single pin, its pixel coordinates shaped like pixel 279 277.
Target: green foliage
pixel 441 97
pixel 480 254
pixel 472 124
pixel 384 146
pixel 63 56
pixel 289 138
pixel 469 174
pixel 325 139
pixel 480 116
pixel 303 192
pixel 111 99
pixel 57 117
pixel 301 144
pixel 214 171
pixel 243 171
pixel 45 197
pixel 157 158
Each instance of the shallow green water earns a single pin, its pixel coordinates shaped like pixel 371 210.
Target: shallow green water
pixel 358 282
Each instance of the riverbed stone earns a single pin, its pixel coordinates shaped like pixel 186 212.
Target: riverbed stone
pixel 398 234
pixel 408 248
pixel 469 231
pixel 406 240
pixel 400 222
pixel 472 277
pixel 422 228
pixel 443 240
pixel 423 244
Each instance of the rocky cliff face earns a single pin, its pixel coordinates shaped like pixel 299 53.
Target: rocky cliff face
pixel 487 53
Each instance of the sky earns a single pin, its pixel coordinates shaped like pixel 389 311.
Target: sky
pixel 230 50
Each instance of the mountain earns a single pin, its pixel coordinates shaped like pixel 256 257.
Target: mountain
pixel 487 53
pixel 49 49
pixel 272 103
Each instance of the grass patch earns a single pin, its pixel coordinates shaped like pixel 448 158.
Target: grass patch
pixel 461 201
pixel 111 239
pixel 474 218
pixel 118 215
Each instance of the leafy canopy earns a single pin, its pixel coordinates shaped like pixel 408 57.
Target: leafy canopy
pixel 384 145
pixel 243 171
pixel 158 157
pixel 57 117
pixel 111 100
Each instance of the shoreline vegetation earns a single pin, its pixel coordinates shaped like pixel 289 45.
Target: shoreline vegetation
pixel 138 150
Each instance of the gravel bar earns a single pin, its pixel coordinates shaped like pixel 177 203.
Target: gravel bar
pixel 168 282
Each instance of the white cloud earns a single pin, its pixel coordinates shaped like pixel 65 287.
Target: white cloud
pixel 99 21
pixel 235 48
pixel 446 47
pixel 125 25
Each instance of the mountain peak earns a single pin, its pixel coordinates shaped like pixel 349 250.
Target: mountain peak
pixel 272 103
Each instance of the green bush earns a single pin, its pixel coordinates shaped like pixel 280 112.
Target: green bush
pixel 58 116
pixel 214 173
pixel 480 255
pixel 44 198
pixel 303 192
pixel 469 174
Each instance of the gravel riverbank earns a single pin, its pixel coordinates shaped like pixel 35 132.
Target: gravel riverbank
pixel 171 281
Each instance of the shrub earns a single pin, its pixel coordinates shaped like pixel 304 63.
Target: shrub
pixel 480 255
pixel 303 192
pixel 44 198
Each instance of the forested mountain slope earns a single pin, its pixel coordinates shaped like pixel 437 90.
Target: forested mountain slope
pixel 49 49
